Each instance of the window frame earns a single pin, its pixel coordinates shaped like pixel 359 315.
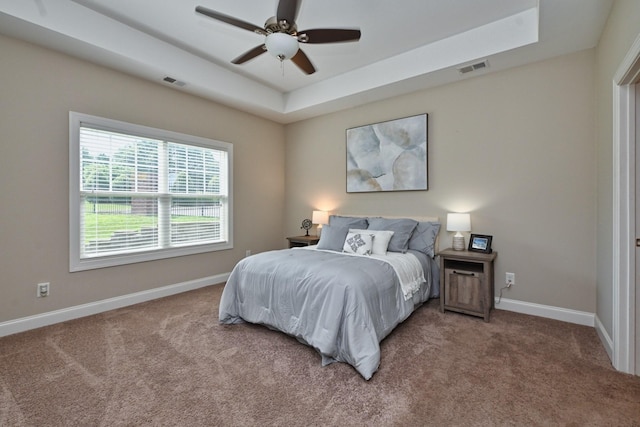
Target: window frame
pixel 76 263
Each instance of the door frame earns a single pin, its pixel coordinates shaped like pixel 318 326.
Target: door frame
pixel 624 211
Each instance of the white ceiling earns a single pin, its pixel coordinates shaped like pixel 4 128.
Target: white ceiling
pixel 406 45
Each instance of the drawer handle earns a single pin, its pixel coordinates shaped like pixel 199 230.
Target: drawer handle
pixel 463 273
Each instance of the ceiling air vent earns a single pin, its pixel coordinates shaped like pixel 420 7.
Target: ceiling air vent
pixel 174 81
pixel 473 67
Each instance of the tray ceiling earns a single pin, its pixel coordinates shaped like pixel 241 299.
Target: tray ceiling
pixel 406 45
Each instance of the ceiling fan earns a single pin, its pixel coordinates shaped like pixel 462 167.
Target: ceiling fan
pixel 282 37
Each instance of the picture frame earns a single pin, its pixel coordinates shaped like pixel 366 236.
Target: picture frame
pixel 480 243
pixel 388 156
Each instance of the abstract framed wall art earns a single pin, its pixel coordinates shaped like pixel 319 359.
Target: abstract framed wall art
pixel 388 156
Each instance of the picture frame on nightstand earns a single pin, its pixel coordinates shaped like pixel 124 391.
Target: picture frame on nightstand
pixel 480 243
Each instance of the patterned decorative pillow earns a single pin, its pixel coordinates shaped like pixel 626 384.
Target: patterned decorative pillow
pixel 381 239
pixel 358 243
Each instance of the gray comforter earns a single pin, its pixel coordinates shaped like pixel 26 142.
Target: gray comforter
pixel 341 305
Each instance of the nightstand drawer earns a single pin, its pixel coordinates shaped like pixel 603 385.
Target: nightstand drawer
pixel 464 290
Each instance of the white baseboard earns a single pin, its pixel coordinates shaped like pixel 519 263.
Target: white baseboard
pixel 70 313
pixel 550 312
pixel 606 340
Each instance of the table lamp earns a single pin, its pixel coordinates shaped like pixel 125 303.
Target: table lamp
pixel 458 222
pixel 320 218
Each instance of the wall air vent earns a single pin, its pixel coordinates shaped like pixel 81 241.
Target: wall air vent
pixel 174 81
pixel 473 67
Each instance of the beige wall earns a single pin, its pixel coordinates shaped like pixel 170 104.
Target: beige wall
pixel 38 88
pixel 619 34
pixel 515 148
pixel 525 150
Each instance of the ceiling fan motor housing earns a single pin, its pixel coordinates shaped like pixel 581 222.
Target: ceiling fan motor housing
pixel 273 26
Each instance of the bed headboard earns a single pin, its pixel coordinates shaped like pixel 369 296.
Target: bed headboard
pixel 417 218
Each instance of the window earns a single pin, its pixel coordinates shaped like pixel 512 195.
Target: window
pixel 139 193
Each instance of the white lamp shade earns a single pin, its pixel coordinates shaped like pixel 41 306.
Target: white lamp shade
pixel 281 45
pixel 320 217
pixel 458 222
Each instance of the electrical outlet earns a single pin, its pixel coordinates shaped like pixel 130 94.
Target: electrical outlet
pixel 247 253
pixel 42 290
pixel 510 279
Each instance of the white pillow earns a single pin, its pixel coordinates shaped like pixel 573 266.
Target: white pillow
pixel 381 239
pixel 358 243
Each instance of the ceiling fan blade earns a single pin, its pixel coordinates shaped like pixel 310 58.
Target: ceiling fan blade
pixel 287 11
pixel 230 20
pixel 250 54
pixel 327 35
pixel 303 62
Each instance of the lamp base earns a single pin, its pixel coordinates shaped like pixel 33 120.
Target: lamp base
pixel 458 243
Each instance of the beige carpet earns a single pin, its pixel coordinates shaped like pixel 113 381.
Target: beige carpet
pixel 169 362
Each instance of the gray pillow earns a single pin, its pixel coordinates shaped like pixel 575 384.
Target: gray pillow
pixel 424 236
pixel 402 229
pixel 332 238
pixel 348 221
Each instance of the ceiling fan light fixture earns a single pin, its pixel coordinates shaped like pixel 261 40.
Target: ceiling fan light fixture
pixel 281 45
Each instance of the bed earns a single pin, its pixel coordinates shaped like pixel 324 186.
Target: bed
pixel 344 295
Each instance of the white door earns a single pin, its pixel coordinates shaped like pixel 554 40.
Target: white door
pixel 626 306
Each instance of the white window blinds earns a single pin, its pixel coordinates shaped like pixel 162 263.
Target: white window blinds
pixel 139 192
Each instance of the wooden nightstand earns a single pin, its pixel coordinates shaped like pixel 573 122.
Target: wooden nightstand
pixel 466 282
pixel 298 241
